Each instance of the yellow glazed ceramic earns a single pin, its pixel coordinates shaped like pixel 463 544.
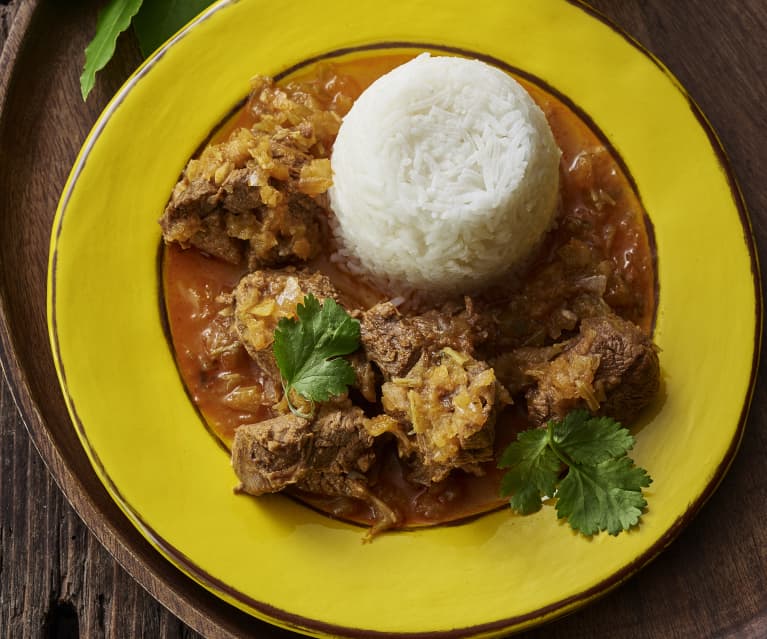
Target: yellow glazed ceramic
pixel 275 558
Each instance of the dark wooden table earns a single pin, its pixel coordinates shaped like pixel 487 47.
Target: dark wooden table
pixel 56 578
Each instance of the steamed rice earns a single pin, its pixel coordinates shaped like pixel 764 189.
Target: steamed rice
pixel 445 175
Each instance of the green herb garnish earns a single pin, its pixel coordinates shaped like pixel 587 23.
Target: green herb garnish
pixel 154 21
pixel 113 20
pixel 308 350
pixel 602 488
pixel 158 20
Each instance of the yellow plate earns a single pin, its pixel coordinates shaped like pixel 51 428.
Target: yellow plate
pixel 275 558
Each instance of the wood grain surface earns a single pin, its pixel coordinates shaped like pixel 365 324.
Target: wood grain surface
pixel 59 579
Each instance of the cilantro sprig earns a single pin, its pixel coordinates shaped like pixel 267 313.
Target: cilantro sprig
pixel 602 488
pixel 308 351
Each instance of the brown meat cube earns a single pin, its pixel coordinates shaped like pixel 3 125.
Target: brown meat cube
pixel 316 456
pixel 232 223
pixel 273 454
pixel 612 368
pixel 194 220
pixel 262 298
pixel 257 196
pixel 390 340
pixel 447 406
pixel 341 447
pixel 460 327
pixel 326 456
pixel 395 342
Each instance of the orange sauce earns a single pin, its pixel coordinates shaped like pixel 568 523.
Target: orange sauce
pixel 193 281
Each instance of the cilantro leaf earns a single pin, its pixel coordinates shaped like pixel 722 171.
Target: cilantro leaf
pixel 112 21
pixel 307 349
pixel 602 489
pixel 607 496
pixel 591 440
pixel 533 471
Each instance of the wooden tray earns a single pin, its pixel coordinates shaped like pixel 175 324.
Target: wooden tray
pixel 711 583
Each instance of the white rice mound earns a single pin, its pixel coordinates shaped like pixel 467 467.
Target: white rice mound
pixel 445 176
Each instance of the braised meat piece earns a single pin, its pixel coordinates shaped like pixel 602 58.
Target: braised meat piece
pixel 611 367
pixel 262 298
pixel 270 455
pixel 230 221
pixel 328 456
pixel 254 196
pixel 395 342
pixel 389 339
pixel 443 414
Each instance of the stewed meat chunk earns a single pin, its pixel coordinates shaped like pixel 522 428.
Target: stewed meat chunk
pixel 262 298
pixel 445 407
pixel 328 455
pixel 270 455
pixel 611 367
pixel 390 340
pixel 395 342
pixel 232 222
pixel 253 197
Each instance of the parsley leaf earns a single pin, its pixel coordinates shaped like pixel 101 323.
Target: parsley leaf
pixel 602 489
pixel 308 350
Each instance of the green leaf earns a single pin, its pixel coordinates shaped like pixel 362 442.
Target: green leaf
pixel 324 379
pixel 606 496
pixel 307 348
pixel 158 20
pixel 113 20
pixel 591 440
pixel 533 471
